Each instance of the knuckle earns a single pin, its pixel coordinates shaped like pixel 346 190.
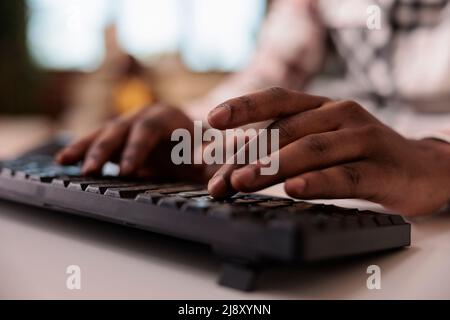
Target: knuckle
pixel 247 102
pixel 350 109
pixel 352 176
pixel 284 127
pixel 148 123
pixel 318 144
pixel 372 138
pixel 340 107
pixel 372 131
pixel 352 106
pixel 278 92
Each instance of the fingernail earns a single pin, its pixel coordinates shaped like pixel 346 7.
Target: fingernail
pixel 220 115
pixel 244 176
pixel 217 185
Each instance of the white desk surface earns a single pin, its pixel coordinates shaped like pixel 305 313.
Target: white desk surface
pixel 36 246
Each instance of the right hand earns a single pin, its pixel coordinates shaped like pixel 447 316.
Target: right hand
pixel 139 142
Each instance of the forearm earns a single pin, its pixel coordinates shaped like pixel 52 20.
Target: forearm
pixel 437 169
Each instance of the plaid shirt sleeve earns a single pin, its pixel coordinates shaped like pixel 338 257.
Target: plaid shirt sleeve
pixel 422 69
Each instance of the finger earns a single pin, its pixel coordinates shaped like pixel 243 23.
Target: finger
pixel 145 173
pixel 361 180
pixel 156 126
pixel 108 143
pixel 261 106
pixel 142 140
pixel 329 117
pixel 313 152
pixel 219 185
pixel 76 151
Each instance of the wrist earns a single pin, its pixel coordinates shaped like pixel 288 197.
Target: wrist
pixel 441 161
pixel 438 145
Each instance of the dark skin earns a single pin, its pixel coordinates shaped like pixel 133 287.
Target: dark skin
pixel 328 150
pixel 138 142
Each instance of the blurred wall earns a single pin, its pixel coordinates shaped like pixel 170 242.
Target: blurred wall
pixel 17 76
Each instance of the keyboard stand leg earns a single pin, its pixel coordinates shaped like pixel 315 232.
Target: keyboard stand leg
pixel 238 276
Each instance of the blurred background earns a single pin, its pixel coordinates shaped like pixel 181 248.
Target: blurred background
pixel 70 65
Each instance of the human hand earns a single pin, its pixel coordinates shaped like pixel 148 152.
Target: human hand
pixel 335 149
pixel 140 142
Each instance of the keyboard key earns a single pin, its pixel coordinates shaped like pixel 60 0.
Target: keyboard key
pixel 171 202
pixel 103 187
pixel 7 173
pixel 71 171
pixel 176 189
pixel 397 220
pixel 257 197
pixel 151 197
pixel 129 192
pixel 247 201
pixel 42 178
pixel 65 181
pixel 193 194
pixel 275 204
pixel 207 199
pixel 367 221
pixel 83 185
pixel 25 174
pixel 303 205
pixel 340 212
pixel 383 220
pixel 197 206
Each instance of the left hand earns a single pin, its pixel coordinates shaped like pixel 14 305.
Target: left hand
pixel 335 150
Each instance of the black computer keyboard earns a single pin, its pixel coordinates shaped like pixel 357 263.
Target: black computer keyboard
pixel 247 230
